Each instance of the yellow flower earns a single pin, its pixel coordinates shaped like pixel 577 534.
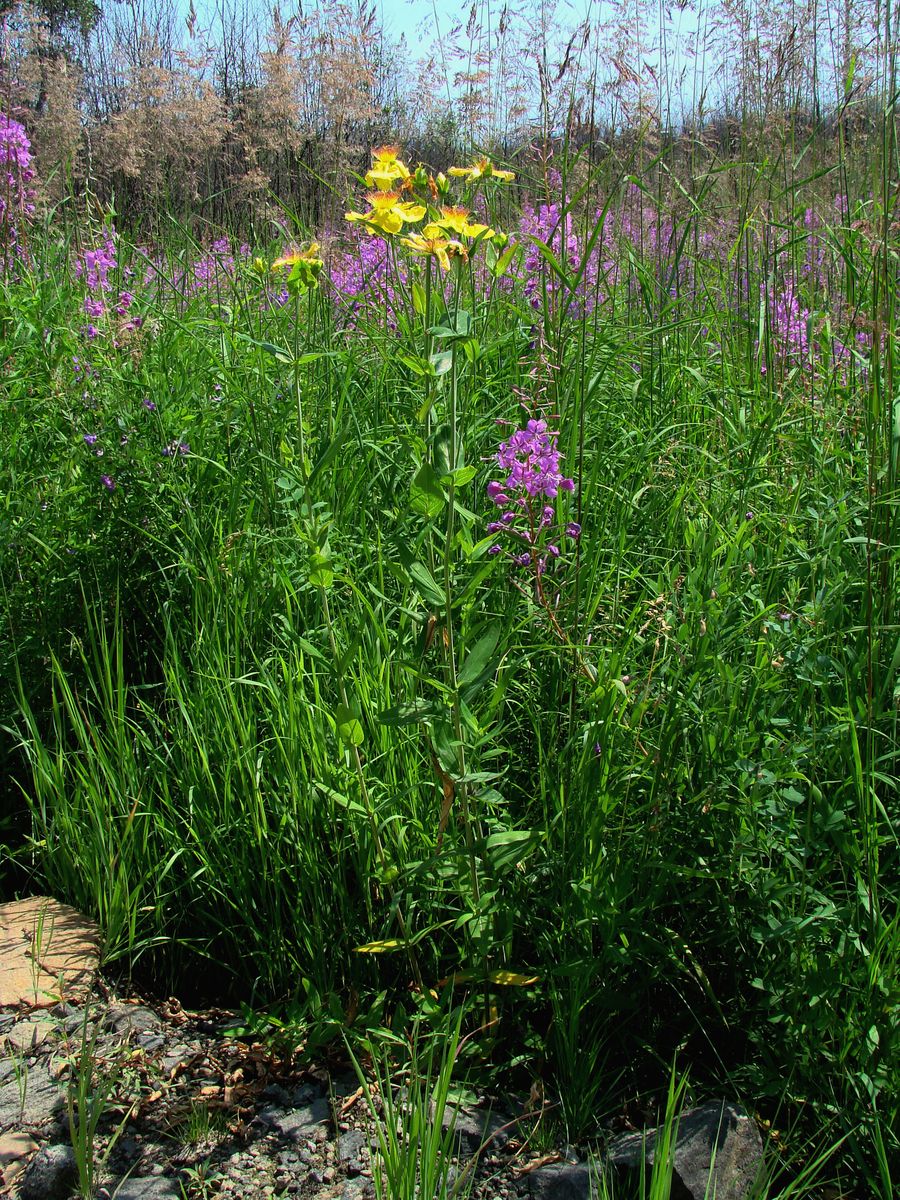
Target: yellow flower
pixel 305 268
pixel 386 169
pixel 456 220
pixel 482 168
pixel 440 247
pixel 386 213
pixel 293 256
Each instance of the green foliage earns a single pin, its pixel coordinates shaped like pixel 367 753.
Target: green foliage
pixel 275 708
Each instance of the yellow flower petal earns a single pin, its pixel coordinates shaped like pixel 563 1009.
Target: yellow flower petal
pixel 411 212
pixel 388 222
pixel 381 179
pixel 382 201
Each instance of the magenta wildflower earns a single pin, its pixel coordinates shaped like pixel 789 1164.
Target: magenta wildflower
pixel 530 460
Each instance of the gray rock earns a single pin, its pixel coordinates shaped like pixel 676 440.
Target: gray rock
pixel 473 1127
pixel 51 1174
pixel 124 1019
pixel 29 1096
pixel 26 1035
pixel 718 1151
pixel 563 1181
pixel 350 1144
pixel 150 1041
pixel 179 1053
pixel 147 1188
pixel 298 1124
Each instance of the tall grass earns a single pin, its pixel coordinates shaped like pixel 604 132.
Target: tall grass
pixel 281 718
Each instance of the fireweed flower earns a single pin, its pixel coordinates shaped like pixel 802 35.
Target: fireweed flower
pixel 482 168
pixel 530 461
pixel 387 213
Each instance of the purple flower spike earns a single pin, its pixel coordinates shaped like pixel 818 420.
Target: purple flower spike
pixel 90 438
pixel 108 482
pixel 495 549
pixel 573 531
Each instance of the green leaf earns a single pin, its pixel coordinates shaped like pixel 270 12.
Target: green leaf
pixel 441 362
pixel 321 572
pixel 502 264
pixel 456 328
pixel 284 356
pixel 329 454
pixel 461 476
pixel 479 657
pixel 418 298
pixel 426 496
pixel 349 726
pixel 405 714
pixel 417 365
pixel 426 585
pixel 440 450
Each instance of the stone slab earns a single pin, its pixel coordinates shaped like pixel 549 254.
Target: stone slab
pixel 47 951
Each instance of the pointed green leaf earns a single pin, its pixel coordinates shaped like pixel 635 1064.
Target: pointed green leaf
pixel 479 657
pixel 349 726
pixel 426 496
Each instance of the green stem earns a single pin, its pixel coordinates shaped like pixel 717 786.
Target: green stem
pixel 367 799
pixel 298 396
pixel 463 789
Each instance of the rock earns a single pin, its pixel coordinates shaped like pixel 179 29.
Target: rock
pixel 47 950
pixel 150 1042
pixel 26 1035
pixel 14 1149
pixel 124 1019
pixel 472 1127
pixel 29 1096
pixel 51 1174
pixel 148 1188
pixel 563 1181
pixel 298 1124
pixel 718 1151
pixel 350 1144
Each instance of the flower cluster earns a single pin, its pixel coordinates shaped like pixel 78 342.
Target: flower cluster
pixel 95 268
pixel 790 328
pixel 392 204
pixel 304 267
pixel 16 175
pixel 530 464
pixel 363 278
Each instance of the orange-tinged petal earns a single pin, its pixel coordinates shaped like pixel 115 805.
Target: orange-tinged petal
pixel 382 201
pixel 454 218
